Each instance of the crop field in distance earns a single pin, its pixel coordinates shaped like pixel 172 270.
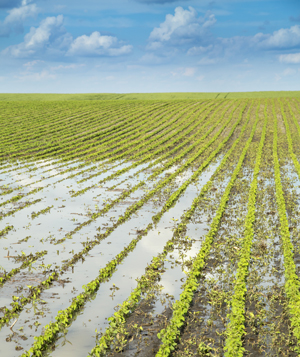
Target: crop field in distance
pixel 150 225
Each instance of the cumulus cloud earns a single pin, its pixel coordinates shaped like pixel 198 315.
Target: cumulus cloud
pixel 15 19
pixel 98 45
pixel 281 39
pixel 290 58
pixel 237 46
pixel 187 33
pixel 182 28
pixel 52 39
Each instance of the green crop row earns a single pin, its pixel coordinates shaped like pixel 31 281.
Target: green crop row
pixel 29 259
pixel 148 157
pixel 95 132
pixel 142 141
pixel 95 135
pixel 65 316
pixel 130 210
pixel 26 204
pixel 169 144
pixel 292 283
pixel 174 197
pixel 53 329
pixel 6 230
pixel 236 326
pixel 70 127
pixel 68 157
pixel 289 137
pixel 117 321
pixel 43 211
pixel 18 197
pixel 18 305
pixel 180 308
pixel 48 125
pixel 19 302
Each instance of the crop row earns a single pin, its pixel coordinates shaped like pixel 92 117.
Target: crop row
pixel 68 156
pixel 19 196
pixel 158 187
pixel 67 131
pixel 117 322
pixel 27 261
pixel 161 158
pixel 16 198
pixel 292 283
pixel 65 315
pixel 21 206
pixel 17 306
pixel 236 326
pixel 180 308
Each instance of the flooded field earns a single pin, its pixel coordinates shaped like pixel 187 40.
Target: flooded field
pixel 150 228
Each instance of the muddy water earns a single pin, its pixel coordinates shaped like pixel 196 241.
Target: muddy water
pixel 56 223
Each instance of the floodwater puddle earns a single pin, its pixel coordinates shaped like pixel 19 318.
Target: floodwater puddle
pixel 45 229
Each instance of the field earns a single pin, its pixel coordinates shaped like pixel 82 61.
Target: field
pixel 165 225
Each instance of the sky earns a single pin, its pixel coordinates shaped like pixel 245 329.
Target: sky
pixel 140 46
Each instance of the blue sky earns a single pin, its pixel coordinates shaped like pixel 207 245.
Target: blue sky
pixel 75 46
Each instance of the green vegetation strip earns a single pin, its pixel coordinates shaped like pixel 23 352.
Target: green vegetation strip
pixel 64 317
pixel 169 163
pixel 66 128
pixel 130 210
pixel 24 205
pixel 236 326
pixel 170 335
pixel 17 306
pixel 289 138
pixel 28 260
pixel 19 302
pixel 6 230
pixel 292 283
pixel 43 211
pixel 18 197
pixel 117 321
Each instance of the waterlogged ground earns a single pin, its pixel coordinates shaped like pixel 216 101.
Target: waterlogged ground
pixel 123 224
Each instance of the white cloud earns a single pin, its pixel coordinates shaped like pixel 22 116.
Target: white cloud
pixel 189 34
pixel 290 58
pixel 98 45
pixel 15 19
pixel 236 47
pixel 50 37
pixel 281 39
pixel 183 27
